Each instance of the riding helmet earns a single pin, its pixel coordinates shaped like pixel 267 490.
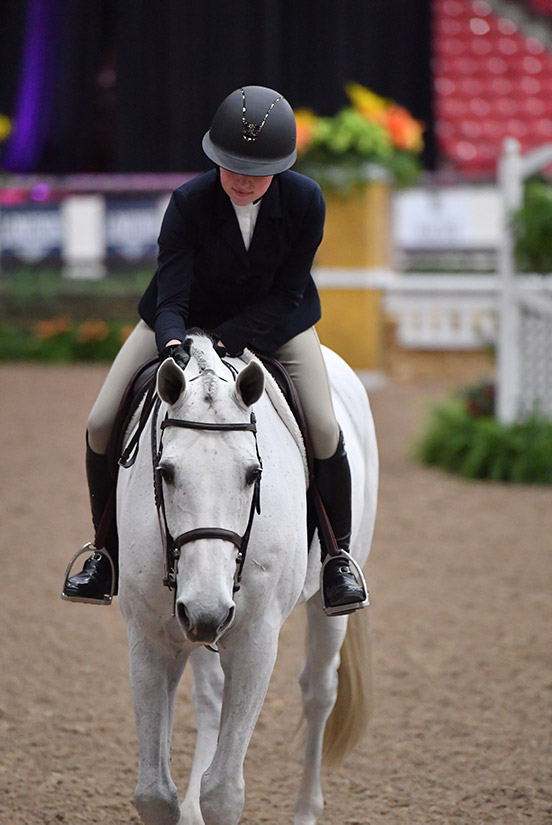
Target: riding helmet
pixel 252 133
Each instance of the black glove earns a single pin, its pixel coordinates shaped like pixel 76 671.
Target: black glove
pixel 178 352
pixel 220 349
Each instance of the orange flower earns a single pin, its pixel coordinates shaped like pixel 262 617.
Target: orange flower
pixel 306 127
pixel 52 327
pixel 94 330
pixel 404 130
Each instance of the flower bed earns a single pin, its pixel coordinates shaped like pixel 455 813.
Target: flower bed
pixel 60 339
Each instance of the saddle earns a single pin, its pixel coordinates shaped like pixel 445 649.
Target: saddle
pixel 142 387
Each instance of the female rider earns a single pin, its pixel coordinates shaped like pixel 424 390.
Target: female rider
pixel 236 249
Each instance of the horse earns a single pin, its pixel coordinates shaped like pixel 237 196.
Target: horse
pixel 212 562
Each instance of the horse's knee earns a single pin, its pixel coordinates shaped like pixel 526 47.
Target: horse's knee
pixel 318 690
pixel 157 805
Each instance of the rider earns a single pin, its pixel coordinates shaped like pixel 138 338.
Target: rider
pixel 235 253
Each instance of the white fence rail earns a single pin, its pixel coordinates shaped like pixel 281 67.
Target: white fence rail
pixel 456 312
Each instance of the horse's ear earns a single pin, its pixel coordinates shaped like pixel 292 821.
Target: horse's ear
pixel 250 383
pixel 171 382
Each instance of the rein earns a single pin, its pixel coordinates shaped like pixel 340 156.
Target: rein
pixel 172 545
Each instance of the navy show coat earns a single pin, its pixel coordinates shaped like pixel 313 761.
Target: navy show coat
pixel 259 298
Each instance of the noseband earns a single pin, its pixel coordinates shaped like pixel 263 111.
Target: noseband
pixel 173 545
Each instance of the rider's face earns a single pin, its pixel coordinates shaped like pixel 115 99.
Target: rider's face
pixel 244 189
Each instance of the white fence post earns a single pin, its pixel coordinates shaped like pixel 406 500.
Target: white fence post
pixel 83 236
pixel 511 188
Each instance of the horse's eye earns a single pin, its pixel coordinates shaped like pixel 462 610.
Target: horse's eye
pixel 166 471
pixel 253 475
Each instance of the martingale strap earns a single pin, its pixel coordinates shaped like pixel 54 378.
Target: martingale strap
pixel 172 546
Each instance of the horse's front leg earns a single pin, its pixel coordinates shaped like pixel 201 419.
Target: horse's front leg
pixel 207 693
pixel 319 683
pixel 154 675
pixel 248 663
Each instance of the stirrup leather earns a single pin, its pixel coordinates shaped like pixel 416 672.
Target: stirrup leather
pixel 343 609
pixel 89 547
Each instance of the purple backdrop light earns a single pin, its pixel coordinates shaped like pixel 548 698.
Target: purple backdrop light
pixel 40 192
pixel 36 86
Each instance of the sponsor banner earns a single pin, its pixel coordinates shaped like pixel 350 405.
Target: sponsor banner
pixel 132 228
pixel 31 233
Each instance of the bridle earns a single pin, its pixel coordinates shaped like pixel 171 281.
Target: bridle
pixel 173 545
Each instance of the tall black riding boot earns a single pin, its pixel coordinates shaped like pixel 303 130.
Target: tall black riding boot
pixel 333 479
pixel 94 584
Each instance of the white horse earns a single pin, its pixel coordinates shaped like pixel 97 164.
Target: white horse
pixel 208 481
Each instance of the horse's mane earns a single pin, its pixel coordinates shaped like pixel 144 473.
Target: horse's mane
pixel 200 347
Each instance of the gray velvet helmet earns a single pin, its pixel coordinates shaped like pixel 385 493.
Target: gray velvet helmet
pixel 252 133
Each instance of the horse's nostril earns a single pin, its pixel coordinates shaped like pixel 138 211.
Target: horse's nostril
pixel 183 617
pixel 228 620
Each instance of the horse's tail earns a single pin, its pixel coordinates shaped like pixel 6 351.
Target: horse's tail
pixel 353 707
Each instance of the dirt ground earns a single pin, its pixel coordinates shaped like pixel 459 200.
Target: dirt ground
pixel 460 578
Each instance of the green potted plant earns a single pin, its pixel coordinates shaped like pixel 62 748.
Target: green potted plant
pixel 371 136
pixel 357 156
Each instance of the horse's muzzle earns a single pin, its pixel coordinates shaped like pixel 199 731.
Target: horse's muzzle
pixel 204 628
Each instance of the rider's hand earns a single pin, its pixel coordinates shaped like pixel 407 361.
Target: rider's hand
pixel 177 351
pixel 218 346
pixel 220 349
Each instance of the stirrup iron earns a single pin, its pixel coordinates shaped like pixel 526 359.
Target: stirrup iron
pixel 344 609
pixel 89 548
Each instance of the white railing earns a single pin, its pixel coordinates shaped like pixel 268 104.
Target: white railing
pixel 451 312
pixel 462 312
pixel 438 311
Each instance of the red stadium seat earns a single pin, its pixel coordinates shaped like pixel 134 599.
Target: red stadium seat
pixel 491 80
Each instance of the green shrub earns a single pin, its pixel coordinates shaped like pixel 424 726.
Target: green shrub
pixel 531 225
pixel 479 447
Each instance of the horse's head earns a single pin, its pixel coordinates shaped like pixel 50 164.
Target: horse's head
pixel 210 471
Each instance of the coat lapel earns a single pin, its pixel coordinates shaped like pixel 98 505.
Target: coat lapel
pixel 266 236
pixel 229 227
